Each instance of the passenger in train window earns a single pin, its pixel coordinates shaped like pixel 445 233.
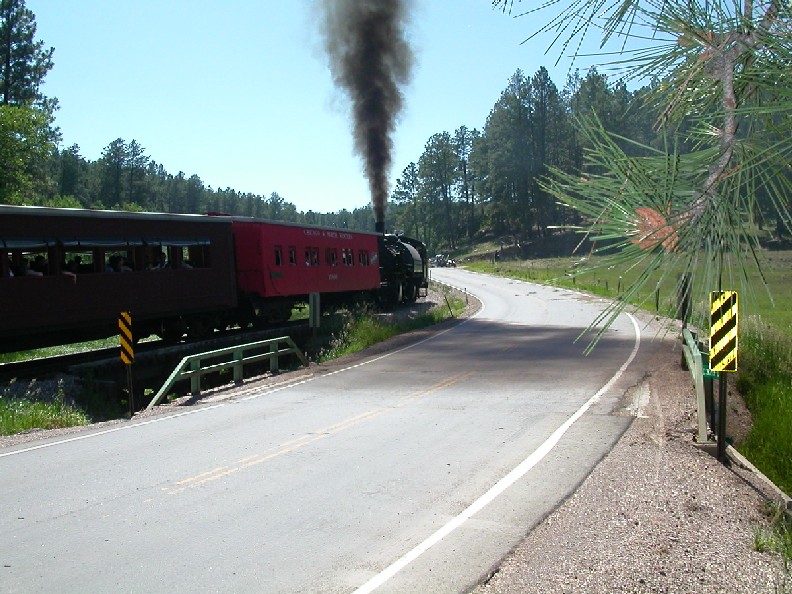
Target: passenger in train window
pixel 160 263
pixel 116 263
pixel 39 265
pixel 25 270
pixel 74 264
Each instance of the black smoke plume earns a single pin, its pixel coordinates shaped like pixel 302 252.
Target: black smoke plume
pixel 371 60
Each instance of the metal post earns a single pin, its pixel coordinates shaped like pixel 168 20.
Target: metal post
pixel 274 358
pixel 131 394
pixel 722 418
pixel 314 312
pixel 709 395
pixel 450 311
pixel 239 356
pixel 683 299
pixel 195 381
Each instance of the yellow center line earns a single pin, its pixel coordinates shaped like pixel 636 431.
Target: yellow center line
pixel 299 442
pixel 202 475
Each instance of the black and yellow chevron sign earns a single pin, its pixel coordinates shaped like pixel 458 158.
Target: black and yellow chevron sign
pixel 723 331
pixel 125 337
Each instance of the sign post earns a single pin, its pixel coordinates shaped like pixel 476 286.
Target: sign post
pixel 314 312
pixel 126 339
pixel 723 352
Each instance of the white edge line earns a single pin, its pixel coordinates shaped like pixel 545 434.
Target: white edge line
pixel 498 488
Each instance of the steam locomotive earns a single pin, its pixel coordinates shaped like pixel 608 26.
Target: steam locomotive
pixel 65 274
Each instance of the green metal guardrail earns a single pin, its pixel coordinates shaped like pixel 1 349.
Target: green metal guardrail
pixel 694 363
pixel 192 367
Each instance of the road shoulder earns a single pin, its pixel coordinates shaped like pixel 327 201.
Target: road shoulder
pixel 656 515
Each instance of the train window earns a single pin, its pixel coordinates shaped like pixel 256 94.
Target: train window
pixel 331 256
pixel 29 263
pixel 198 256
pixel 188 259
pixel 119 262
pixel 278 255
pixel 307 256
pixel 315 256
pixel 363 258
pixel 292 255
pixel 78 262
pixel 85 255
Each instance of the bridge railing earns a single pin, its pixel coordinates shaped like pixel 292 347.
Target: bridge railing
pixel 193 367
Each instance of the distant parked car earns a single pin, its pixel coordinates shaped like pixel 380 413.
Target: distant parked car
pixel 440 260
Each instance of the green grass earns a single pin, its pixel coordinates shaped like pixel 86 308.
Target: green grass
pixel 777 538
pixel 59 350
pixel 25 412
pixel 765 381
pixel 358 330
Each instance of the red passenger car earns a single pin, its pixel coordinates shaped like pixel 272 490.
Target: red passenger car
pixel 280 264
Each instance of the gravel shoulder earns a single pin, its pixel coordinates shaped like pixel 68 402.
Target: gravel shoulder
pixel 656 515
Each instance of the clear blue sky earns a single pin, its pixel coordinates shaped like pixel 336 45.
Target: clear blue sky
pixel 240 94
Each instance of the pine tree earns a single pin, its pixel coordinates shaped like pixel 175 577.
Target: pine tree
pixel 27 137
pixel 24 61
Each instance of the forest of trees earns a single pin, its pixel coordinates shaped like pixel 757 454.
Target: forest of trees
pixel 474 183
pixel 467 184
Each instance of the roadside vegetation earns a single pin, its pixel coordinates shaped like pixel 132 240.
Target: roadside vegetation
pixel 778 537
pixel 26 405
pixel 36 410
pixel 355 331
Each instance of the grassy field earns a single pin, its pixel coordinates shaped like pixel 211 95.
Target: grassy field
pixel 764 375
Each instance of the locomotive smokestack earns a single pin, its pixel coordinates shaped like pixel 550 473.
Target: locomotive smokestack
pixel 371 60
pixel 379 226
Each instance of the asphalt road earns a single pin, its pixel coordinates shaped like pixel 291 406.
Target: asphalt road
pixel 412 471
